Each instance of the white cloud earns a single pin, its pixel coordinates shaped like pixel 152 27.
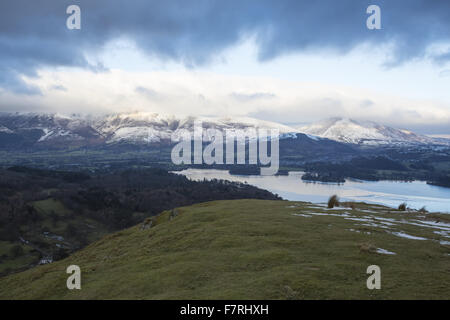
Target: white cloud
pixel 203 93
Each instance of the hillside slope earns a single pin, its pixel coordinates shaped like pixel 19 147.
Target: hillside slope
pixel 45 215
pixel 256 249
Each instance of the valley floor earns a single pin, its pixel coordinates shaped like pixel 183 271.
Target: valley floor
pixel 257 249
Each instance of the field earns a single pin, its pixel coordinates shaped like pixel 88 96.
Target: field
pixel 257 249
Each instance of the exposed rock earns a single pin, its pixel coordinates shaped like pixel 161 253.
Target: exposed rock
pixel 173 214
pixel 148 223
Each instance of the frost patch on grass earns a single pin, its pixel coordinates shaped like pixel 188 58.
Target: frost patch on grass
pixel 310 214
pixel 325 207
pixel 440 225
pixel 374 225
pixel 428 224
pixel 358 231
pixel 384 251
pixel 442 233
pixel 302 215
pixel 387 221
pixel 368 211
pixel 407 236
pixel 359 219
pixel 322 214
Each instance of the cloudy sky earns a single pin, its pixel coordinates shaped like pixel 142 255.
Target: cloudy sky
pixel 288 61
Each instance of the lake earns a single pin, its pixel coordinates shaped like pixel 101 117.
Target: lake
pixel 390 193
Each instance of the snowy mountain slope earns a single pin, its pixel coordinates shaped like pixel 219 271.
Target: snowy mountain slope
pixel 366 133
pixel 48 127
pixel 5 130
pixel 136 128
pixel 153 127
pixel 144 128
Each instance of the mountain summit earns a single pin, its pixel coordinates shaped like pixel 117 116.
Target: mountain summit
pixel 366 133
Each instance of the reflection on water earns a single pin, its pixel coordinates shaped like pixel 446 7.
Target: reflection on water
pixel 391 193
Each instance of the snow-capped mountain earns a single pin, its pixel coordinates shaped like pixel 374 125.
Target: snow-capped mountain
pixel 153 127
pixel 366 133
pixel 136 128
pixel 54 130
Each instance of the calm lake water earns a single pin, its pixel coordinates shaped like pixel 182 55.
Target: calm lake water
pixel 391 193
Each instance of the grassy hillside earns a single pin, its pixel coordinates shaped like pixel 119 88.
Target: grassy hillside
pixel 256 249
pixel 45 215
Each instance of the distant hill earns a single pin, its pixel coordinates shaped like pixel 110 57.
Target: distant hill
pixel 255 249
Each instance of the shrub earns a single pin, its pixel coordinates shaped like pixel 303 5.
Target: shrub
pixel 148 223
pixel 289 293
pixel 423 210
pixel 402 207
pixel 367 248
pixel 333 201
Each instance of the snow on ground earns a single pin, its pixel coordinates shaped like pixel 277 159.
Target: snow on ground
pixel 390 225
pixel 407 236
pixel 384 251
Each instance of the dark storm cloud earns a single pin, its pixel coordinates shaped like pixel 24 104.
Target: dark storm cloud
pixel 34 34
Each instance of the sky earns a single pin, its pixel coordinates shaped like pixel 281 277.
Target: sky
pixel 290 61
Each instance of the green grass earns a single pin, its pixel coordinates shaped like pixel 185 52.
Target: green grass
pixel 7 262
pixel 53 219
pixel 252 249
pixel 48 205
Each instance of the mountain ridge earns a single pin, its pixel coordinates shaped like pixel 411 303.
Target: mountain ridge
pixel 366 133
pixel 36 129
pixel 137 127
